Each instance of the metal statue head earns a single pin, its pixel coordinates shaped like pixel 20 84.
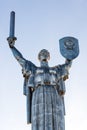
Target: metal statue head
pixel 44 55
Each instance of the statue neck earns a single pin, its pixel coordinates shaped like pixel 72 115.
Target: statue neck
pixel 44 64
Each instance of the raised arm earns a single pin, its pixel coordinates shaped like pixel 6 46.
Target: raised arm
pixel 65 69
pixel 27 66
pixel 11 40
pixel 18 56
pixel 68 64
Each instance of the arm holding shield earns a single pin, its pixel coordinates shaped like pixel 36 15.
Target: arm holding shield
pixel 69 49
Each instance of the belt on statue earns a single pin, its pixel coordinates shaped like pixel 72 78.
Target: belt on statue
pixel 43 83
pixel 39 84
pixel 47 83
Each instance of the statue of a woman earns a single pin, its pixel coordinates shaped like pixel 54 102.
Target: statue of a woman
pixel 44 87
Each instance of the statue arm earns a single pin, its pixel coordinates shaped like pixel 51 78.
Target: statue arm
pixel 65 68
pixel 68 64
pixel 18 56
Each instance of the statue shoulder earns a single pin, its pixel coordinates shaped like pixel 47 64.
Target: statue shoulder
pixel 30 65
pixel 28 68
pixel 57 67
pixel 62 72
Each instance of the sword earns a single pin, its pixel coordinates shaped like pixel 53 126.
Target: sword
pixel 11 39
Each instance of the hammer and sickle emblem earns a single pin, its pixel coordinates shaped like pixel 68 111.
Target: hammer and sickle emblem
pixel 69 44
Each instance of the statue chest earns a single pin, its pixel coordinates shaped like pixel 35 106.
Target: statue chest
pixel 45 76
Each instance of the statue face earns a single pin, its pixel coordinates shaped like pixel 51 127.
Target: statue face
pixel 44 55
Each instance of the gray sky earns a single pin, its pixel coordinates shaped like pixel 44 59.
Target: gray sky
pixel 40 24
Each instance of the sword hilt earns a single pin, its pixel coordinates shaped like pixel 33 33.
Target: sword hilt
pixel 11 41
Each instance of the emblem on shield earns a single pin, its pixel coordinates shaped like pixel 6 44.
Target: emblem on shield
pixel 69 47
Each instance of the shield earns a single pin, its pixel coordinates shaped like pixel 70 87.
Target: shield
pixel 69 47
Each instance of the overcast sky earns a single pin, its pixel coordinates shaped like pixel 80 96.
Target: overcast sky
pixel 40 24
